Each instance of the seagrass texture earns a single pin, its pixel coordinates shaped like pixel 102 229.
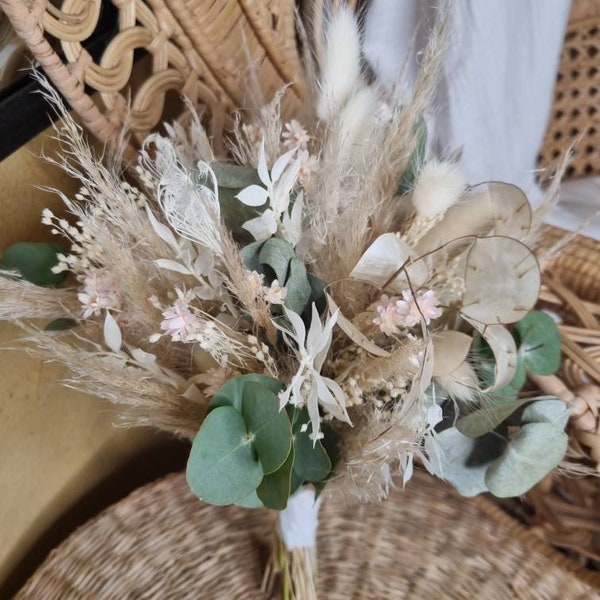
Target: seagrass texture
pixel 576 110
pixel 161 542
pixel 203 49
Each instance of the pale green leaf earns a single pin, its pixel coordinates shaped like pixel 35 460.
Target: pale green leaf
pixel 222 467
pixel 269 427
pixel 531 455
pixel 274 490
pixel 298 287
pixel 539 343
pixel 230 394
pixel 277 253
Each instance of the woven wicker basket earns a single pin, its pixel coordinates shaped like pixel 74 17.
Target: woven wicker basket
pixel 194 49
pixel 427 542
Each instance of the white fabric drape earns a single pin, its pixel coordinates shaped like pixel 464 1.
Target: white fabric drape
pixel 495 93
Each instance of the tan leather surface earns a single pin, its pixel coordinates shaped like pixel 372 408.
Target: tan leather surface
pixel 55 444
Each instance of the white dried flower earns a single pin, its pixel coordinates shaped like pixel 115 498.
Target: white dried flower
pixel 438 186
pixel 424 306
pixel 389 318
pixel 308 387
pixel 278 185
pixel 275 294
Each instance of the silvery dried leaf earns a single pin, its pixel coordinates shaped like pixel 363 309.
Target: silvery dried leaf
pixel 502 280
pixel 112 333
pixel 385 257
pixel 492 207
pixel 450 349
pixel 504 348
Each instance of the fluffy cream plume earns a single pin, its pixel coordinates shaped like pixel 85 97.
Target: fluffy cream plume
pixel 439 185
pixel 190 139
pixel 340 71
pixel 20 299
pixel 113 230
pixel 375 372
pixel 462 384
pixel 356 122
pixel 549 201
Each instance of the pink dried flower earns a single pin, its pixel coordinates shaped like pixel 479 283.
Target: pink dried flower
pixel 100 292
pixel 406 312
pixel 309 163
pixel 179 321
pixel 295 135
pixel 425 306
pixel 390 319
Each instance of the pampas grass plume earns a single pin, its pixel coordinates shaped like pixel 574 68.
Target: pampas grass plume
pixel 439 185
pixel 341 68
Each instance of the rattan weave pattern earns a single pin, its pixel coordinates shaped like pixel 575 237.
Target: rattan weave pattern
pixel 426 542
pixel 195 49
pixel 576 110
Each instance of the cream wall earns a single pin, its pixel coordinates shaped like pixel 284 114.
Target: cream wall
pixel 55 444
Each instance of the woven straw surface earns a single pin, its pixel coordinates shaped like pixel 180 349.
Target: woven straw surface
pixel 195 49
pixel 161 542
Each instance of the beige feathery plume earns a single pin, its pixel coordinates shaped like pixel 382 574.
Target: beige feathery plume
pixel 147 398
pixel 20 299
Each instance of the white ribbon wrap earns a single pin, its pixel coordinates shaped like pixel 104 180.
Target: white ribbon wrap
pixel 299 521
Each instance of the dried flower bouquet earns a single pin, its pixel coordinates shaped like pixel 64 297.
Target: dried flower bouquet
pixel 320 312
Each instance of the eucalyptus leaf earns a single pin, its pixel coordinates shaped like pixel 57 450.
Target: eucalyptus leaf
pixel 61 324
pixel 317 292
pixel 298 287
pixel 269 427
pixel 277 254
pixel 539 343
pixel 34 262
pixel 547 410
pixel 415 162
pixel 250 501
pixel 531 455
pixel 249 255
pixel 275 489
pixel 234 176
pixel 311 463
pixel 487 418
pixel 222 467
pixel 231 393
pixel 450 464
